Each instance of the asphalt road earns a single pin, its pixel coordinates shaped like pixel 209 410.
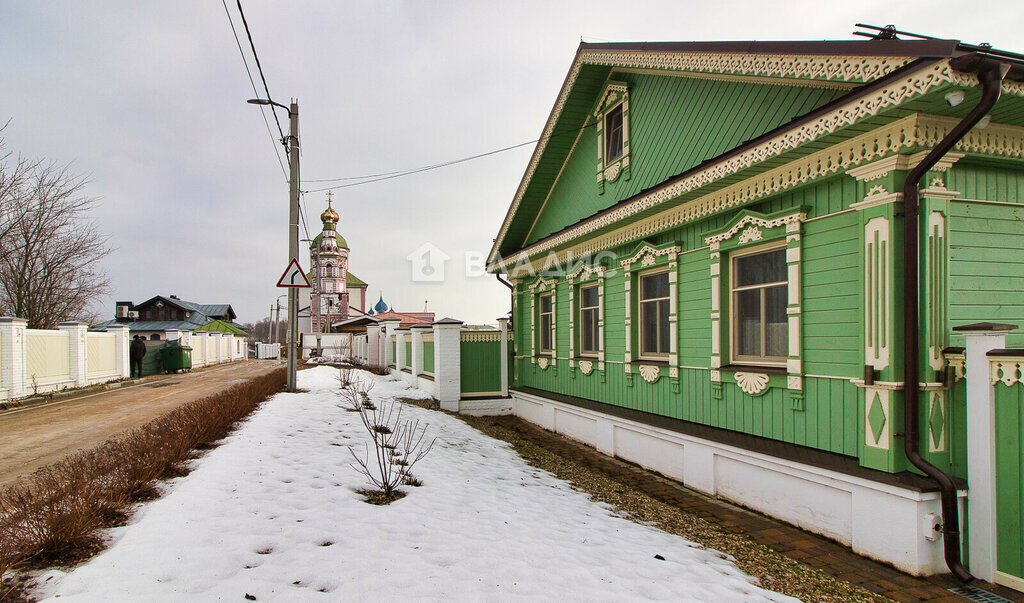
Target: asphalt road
pixel 35 436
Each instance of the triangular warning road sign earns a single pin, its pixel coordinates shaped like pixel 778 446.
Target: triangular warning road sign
pixel 293 276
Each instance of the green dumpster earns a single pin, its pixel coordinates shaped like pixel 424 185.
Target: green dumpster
pixel 176 357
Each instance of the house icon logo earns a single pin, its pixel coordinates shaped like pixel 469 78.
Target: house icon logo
pixel 427 263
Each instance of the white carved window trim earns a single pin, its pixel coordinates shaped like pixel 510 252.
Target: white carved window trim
pixel 792 222
pixel 759 360
pixel 613 95
pixel 647 258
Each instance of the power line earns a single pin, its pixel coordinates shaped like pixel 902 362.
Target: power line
pixel 302 214
pixel 253 83
pixel 260 69
pixel 368 179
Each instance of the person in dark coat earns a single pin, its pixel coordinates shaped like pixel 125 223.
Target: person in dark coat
pixel 135 354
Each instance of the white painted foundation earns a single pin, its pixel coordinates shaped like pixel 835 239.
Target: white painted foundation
pixel 884 522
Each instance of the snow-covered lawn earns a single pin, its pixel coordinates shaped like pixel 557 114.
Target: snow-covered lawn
pixel 273 513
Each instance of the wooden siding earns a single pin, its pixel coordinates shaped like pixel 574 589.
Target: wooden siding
pixel 829 422
pixel 832 318
pixel 675 123
pixel 988 182
pixel 986 267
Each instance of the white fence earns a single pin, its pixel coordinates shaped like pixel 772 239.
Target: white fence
pixel 440 358
pixel 326 344
pixel 34 361
pixel 38 361
pixel 268 350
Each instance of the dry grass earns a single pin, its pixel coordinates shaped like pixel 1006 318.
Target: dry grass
pixel 52 516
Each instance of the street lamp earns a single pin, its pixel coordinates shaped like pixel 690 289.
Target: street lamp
pixel 293 225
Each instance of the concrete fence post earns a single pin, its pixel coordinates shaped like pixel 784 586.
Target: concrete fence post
pixel 503 326
pixel 121 342
pixel 448 362
pixel 12 355
pixel 981 445
pixel 78 351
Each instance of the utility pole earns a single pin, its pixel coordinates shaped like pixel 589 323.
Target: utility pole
pixel 293 225
pixel 293 237
pixel 273 334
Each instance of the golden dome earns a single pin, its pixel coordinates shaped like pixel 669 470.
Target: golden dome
pixel 330 215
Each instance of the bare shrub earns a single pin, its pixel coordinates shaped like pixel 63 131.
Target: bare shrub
pixel 397 446
pixel 356 395
pixel 53 514
pixel 345 377
pixel 377 369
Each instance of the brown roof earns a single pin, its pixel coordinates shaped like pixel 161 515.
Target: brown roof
pixel 407 318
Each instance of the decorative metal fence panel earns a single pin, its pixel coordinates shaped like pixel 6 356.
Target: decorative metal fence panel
pixel 480 366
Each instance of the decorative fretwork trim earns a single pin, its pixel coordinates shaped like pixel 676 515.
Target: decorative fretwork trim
pixel 543 284
pixel 744 79
pixel 481 336
pixel 994 139
pixel 814 67
pixel 913 130
pixel 649 251
pixel 584 272
pixel 586 367
pixel 716 240
pixel 1009 370
pixel 883 167
pixel 957 362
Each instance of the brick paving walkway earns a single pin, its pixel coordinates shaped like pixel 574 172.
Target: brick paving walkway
pixel 810 549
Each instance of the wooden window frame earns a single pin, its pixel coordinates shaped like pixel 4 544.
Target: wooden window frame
pixel 614 98
pixel 596 309
pixel 640 301
pixel 550 351
pixel 616 109
pixel 734 357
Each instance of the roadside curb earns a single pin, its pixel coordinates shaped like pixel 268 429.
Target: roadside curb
pixel 67 394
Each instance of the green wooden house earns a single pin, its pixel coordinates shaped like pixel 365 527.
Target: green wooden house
pixel 712 274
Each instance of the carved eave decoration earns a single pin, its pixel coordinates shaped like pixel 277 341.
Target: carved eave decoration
pixel 914 131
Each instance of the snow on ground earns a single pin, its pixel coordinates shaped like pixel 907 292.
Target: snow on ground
pixel 273 513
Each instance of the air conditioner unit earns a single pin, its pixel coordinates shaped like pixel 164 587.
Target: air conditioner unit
pixel 122 311
pixel 134 315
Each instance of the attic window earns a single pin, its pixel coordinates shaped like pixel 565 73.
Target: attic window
pixel 611 114
pixel 613 133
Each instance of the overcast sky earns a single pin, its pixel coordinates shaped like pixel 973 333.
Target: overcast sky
pixel 147 99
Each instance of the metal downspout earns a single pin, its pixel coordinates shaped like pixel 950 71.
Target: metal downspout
pixel 990 75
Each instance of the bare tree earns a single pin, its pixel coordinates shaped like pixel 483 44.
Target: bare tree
pixel 50 247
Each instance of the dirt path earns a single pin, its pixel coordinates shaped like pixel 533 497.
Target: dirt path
pixel 35 436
